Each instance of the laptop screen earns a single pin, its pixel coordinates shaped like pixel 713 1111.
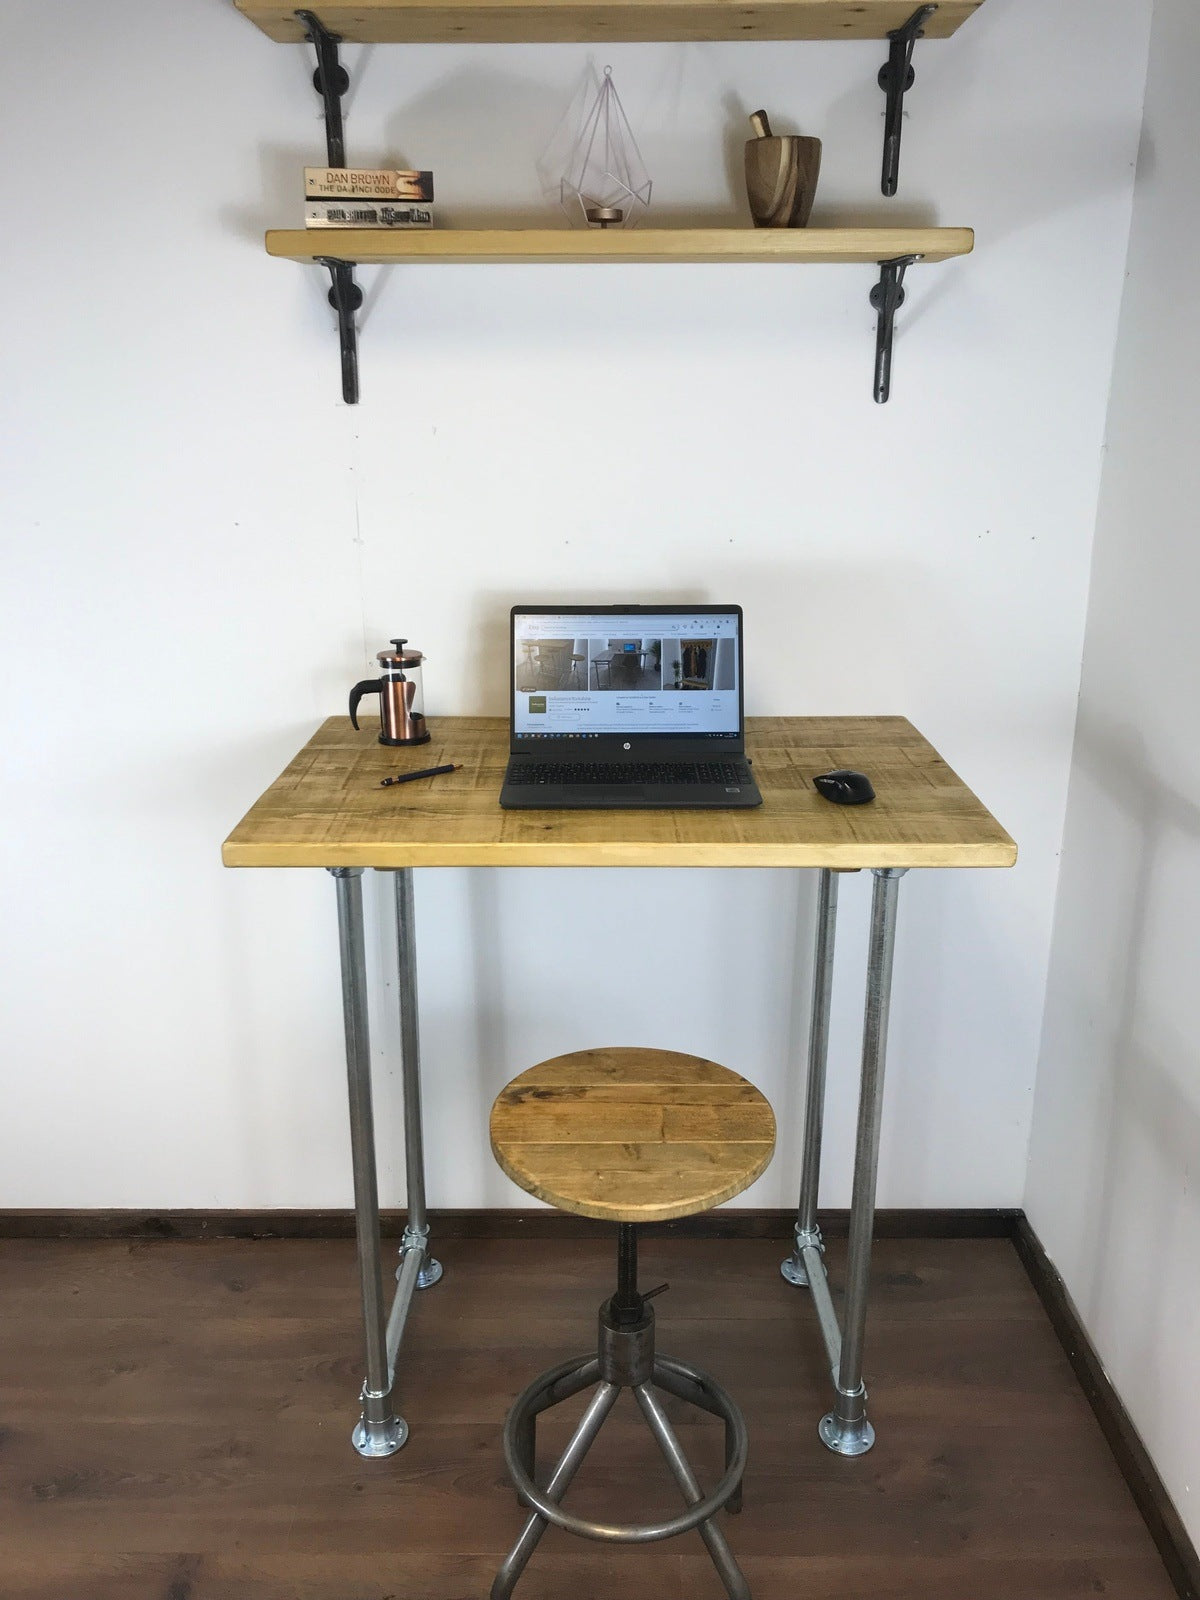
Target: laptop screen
pixel 587 674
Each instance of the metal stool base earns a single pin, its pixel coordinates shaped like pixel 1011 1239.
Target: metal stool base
pixel 642 1372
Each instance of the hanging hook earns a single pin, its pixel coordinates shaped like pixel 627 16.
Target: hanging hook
pixel 896 76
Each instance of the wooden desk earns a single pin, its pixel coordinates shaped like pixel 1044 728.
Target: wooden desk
pixel 327 810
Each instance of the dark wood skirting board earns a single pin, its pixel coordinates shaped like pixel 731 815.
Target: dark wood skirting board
pixel 1166 1527
pixel 1178 1553
pixel 540 1223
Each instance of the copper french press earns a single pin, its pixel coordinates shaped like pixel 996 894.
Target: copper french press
pixel 401 702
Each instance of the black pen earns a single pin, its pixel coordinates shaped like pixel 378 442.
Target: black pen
pixel 425 772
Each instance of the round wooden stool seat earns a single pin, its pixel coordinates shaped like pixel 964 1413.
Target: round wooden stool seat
pixel 632 1135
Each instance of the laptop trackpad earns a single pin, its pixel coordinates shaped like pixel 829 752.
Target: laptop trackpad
pixel 616 791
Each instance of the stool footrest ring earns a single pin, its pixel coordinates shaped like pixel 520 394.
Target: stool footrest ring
pixel 572 1376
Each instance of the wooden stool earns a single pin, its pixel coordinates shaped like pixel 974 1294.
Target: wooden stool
pixel 629 1136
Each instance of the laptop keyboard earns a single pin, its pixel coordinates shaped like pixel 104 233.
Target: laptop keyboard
pixel 627 772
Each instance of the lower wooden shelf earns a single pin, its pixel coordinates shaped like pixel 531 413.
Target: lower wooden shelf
pixel 816 246
pixel 893 250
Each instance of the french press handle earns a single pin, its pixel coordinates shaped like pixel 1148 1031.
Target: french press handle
pixel 367 686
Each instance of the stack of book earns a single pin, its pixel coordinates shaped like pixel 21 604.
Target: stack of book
pixel 360 197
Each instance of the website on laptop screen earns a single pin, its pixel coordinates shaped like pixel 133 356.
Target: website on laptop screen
pixel 577 674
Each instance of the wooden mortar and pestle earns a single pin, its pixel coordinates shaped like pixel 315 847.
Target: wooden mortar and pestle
pixel 781 175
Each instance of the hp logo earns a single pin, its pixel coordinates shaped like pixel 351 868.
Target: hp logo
pixel 626 746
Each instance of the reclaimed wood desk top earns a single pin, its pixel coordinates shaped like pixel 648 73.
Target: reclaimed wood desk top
pixel 327 809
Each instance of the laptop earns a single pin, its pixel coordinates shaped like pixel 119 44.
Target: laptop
pixel 635 707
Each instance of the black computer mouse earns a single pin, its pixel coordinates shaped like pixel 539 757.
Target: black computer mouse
pixel 844 788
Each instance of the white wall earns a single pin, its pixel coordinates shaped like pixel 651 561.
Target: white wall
pixel 1116 1133
pixel 204 548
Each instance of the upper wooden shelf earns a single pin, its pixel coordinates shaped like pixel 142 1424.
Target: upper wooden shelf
pixel 596 21
pixel 814 245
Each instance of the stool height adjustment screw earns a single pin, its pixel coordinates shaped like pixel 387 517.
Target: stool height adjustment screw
pixel 628 1306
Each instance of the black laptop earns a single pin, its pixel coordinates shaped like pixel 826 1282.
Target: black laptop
pixel 627 707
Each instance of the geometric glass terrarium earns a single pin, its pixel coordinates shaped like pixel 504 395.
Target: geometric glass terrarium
pixel 606 184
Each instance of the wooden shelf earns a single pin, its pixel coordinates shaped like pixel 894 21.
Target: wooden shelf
pixel 370 246
pixel 595 21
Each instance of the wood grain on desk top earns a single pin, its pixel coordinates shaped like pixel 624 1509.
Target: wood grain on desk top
pixel 327 809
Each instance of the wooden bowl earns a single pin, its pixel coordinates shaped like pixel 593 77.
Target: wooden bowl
pixel 781 179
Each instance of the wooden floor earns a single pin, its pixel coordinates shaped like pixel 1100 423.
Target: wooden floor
pixel 175 1420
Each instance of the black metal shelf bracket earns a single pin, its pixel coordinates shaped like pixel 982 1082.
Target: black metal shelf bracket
pixel 887 297
pixel 345 297
pixel 896 77
pixel 331 81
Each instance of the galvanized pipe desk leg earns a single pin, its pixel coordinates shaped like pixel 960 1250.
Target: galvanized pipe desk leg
pixel 416 1232
pixel 807 1232
pixel 379 1432
pixel 845 1428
